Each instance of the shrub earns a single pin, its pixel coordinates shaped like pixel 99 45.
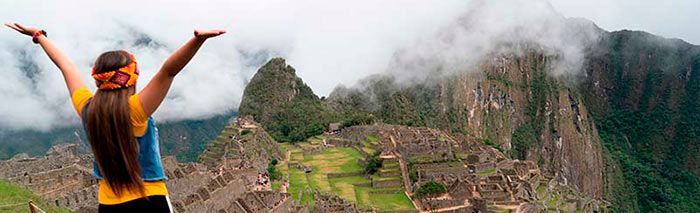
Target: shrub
pixel 245 132
pixel 495 146
pixel 272 171
pixel 431 188
pixel 373 163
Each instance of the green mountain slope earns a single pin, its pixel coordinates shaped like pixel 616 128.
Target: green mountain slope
pixel 644 90
pixel 283 104
pixel 627 131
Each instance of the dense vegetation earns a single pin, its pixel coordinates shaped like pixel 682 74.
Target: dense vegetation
pixel 528 133
pixel 272 170
pixel 186 139
pixel 374 163
pixel 283 104
pixel 431 188
pixel 651 123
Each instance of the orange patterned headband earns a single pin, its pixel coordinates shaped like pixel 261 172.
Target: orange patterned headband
pixel 121 78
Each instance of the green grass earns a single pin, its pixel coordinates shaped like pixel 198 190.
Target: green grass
pixel 553 203
pixel 12 194
pixel 297 156
pixel 394 164
pixel 344 188
pixel 297 182
pixel 308 197
pixel 333 160
pixel 373 139
pixel 284 147
pixel 389 170
pixel 376 176
pixel 391 202
pixel 541 189
pixel 324 136
pixel 339 160
pixel 365 143
pixel 315 140
pixel 486 171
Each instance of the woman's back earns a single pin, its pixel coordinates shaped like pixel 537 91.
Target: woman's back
pixel 123 137
pixel 149 158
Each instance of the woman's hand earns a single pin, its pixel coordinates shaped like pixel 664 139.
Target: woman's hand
pixel 155 91
pixel 68 68
pixel 22 29
pixel 204 34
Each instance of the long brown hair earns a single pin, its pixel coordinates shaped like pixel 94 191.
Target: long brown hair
pixel 110 132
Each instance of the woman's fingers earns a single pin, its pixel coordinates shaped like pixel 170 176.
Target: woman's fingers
pixel 19 28
pixel 15 28
pixel 12 26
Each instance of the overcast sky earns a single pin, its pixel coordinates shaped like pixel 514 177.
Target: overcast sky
pixel 668 18
pixel 328 42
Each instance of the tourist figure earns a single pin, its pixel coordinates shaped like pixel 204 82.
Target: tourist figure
pixel 118 122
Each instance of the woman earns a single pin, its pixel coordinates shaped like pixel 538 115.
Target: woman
pixel 117 120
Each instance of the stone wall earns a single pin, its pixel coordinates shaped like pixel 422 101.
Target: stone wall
pixel 347 174
pixel 386 191
pixel 387 183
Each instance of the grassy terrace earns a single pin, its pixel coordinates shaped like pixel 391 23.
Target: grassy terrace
pixel 485 172
pixel 373 139
pixel 337 160
pixel 13 194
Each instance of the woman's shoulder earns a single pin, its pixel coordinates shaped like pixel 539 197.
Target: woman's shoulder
pixel 79 98
pixel 139 119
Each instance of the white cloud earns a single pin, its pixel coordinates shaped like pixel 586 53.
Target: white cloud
pixel 669 18
pixel 328 42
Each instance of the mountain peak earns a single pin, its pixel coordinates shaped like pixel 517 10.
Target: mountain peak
pixel 283 103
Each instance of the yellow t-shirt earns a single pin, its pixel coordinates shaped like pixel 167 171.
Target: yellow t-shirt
pixel 139 120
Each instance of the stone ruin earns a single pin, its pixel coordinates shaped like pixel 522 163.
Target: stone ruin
pixel 64 178
pixel 329 203
pixel 242 140
pixel 476 175
pixel 473 173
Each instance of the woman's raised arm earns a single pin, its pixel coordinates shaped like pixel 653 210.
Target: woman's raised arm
pixel 153 94
pixel 68 68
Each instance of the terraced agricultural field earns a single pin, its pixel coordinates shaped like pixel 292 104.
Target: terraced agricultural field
pixel 337 160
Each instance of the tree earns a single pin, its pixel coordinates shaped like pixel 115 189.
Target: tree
pixel 431 188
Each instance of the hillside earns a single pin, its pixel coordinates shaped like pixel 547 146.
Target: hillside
pixel 513 104
pixel 11 194
pixel 634 112
pixel 283 103
pixel 512 101
pixel 185 139
pixel 644 92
